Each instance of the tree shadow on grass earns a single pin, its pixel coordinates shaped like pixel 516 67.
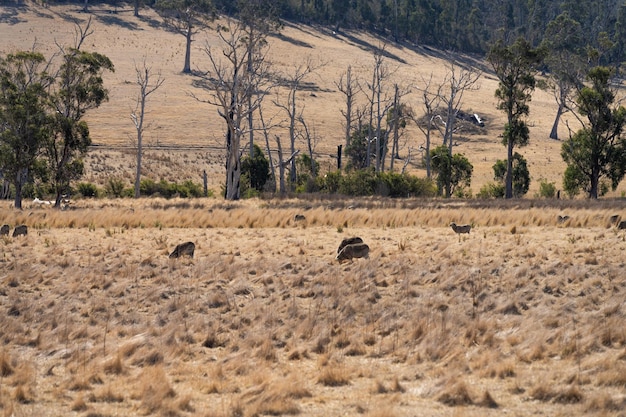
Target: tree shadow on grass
pixel 10 14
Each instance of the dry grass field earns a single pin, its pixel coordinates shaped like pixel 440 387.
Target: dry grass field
pixel 181 123
pixel 524 316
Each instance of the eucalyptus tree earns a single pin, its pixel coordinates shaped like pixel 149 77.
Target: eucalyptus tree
pixel 598 149
pixel 515 67
pixel 566 60
pixel 78 88
pixel 24 117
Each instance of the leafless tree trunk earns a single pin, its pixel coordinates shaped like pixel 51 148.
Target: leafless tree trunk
pixel 282 165
pixel 431 99
pixel 146 87
pixel 348 86
pixel 294 114
pixel 379 103
pixel 231 82
pixel 458 81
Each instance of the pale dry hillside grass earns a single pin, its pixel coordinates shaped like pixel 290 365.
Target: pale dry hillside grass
pixel 175 119
pixel 525 316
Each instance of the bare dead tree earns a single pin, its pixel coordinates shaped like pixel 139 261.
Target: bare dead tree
pixel 379 103
pixel 458 80
pixel 431 94
pixel 396 120
pixel 231 82
pixel 349 87
pixel 283 164
pixel 311 141
pixel 294 113
pixel 147 85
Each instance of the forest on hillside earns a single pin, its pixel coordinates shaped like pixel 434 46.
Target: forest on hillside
pixel 469 26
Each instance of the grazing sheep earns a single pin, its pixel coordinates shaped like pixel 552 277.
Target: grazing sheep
pixel 184 249
pixel 299 217
pixel 349 241
pixel 458 229
pixel 20 230
pixel 4 230
pixel 355 250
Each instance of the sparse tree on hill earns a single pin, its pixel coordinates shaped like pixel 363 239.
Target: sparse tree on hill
pixel 186 17
pixel 515 66
pixel 24 119
pixel 598 150
pixel 231 82
pixel 147 85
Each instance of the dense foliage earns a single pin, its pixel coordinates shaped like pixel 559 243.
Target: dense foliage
pixel 464 25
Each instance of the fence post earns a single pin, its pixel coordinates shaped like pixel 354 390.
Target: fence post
pixel 206 184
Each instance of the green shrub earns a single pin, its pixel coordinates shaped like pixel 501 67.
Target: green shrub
pixel 88 190
pixel 367 182
pixel 114 187
pixel 491 190
pixel 255 171
pixel 546 189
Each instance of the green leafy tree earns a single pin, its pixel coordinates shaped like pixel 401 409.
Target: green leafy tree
pixel 521 175
pixel 187 18
pixel 452 172
pixel 24 121
pixel 515 67
pixel 598 150
pixel 256 168
pixel 565 59
pixel 358 148
pixel 79 88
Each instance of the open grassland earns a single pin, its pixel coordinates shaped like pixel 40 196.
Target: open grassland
pixel 524 316
pixel 192 131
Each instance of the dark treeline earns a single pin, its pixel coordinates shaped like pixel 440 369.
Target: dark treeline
pixel 470 26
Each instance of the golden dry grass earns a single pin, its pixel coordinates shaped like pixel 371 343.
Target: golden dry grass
pixel 176 119
pixel 95 319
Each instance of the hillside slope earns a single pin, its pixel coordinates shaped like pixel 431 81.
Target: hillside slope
pixel 175 118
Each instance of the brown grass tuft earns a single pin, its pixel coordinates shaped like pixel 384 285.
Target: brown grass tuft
pixel 457 394
pixel 334 376
pixel 155 389
pixel 487 401
pixel 6 369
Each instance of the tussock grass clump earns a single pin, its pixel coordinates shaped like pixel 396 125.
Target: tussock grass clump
pixel 455 393
pixel 155 389
pixel 334 376
pixel 6 368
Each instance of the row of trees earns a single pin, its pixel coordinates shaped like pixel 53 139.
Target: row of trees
pixel 42 104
